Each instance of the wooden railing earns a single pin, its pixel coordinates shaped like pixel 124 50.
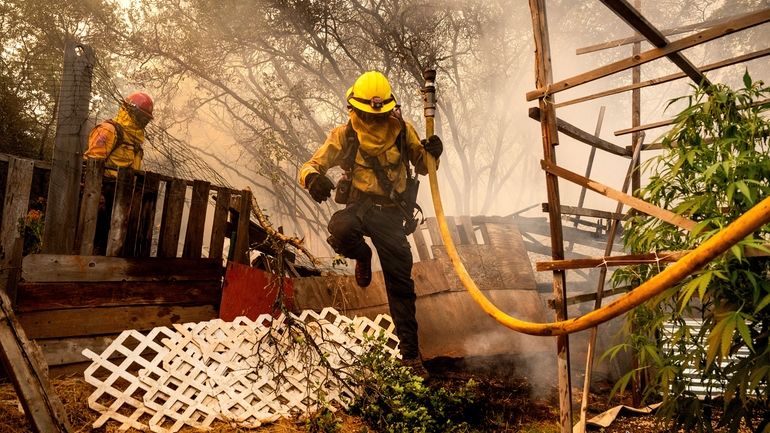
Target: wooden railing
pixel 139 197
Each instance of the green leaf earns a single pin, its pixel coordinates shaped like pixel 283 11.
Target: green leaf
pixel 762 304
pixel 747 79
pixel 744 189
pixel 743 329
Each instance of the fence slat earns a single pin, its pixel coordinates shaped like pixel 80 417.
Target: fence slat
pixel 219 225
pixel 124 188
pixel 171 222
pixel 193 240
pixel 16 204
pixel 419 241
pixel 467 227
pixel 147 217
pixel 89 206
pixel 241 252
pixel 134 217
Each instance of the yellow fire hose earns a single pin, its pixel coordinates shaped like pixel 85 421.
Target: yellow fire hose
pixel 743 226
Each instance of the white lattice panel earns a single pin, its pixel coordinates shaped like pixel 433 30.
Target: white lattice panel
pixel 244 372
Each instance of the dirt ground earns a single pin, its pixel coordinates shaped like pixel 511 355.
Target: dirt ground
pixel 508 402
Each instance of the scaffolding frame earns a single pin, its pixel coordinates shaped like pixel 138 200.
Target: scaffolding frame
pixel 551 126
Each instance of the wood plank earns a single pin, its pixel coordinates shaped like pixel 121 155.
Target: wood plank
pixel 622 260
pixel 590 163
pixel 219 224
pixel 452 226
pixel 637 21
pixel 134 218
pixel 435 233
pixel 587 297
pixel 550 139
pixel 742 23
pixel 62 351
pixel 507 251
pixel 151 186
pixel 24 364
pixel 466 226
pixel 171 222
pixel 71 116
pixel 672 121
pixel 668 32
pixel 241 251
pixel 638 204
pixel 89 207
pixel 15 205
pixel 43 165
pixel 595 213
pixel 196 224
pixel 62 268
pixel 582 136
pixel 70 323
pixel 419 241
pixel 63 295
pixel 124 190
pixel 666 78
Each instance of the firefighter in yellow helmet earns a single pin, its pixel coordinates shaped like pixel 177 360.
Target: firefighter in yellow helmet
pixel 119 142
pixel 375 149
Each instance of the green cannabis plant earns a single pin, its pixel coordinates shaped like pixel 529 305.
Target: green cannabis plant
pixel 394 400
pixel 714 167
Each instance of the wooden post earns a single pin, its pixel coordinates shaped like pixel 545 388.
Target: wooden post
pixel 24 364
pixel 544 78
pixel 89 208
pixel 636 103
pixel 241 251
pixel 64 189
pixel 150 188
pixel 590 164
pixel 121 207
pixel 422 248
pixel 171 222
pixel 193 240
pixel 581 428
pixel 636 182
pixel 15 205
pixel 219 225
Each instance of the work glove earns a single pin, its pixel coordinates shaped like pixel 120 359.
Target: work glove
pixel 433 145
pixel 320 187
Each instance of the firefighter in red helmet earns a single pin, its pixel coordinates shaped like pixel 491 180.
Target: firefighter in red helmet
pixel 119 142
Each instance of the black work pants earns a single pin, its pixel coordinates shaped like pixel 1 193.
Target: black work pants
pixel 384 225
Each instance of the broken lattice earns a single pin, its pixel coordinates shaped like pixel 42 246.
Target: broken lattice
pixel 245 372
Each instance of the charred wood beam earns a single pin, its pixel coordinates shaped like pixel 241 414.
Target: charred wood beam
pixel 667 78
pixel 741 23
pixel 638 204
pixel 632 17
pixel 582 136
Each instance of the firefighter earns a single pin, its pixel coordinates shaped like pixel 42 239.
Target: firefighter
pixel 119 142
pixel 375 149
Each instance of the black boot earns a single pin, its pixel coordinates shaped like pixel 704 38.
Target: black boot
pixel 364 268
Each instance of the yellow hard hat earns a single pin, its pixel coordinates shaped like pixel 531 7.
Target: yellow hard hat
pixel 371 93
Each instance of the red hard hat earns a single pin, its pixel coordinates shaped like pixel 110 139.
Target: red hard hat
pixel 142 101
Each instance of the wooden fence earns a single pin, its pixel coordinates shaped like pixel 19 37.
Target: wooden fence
pixel 139 197
pixel 154 274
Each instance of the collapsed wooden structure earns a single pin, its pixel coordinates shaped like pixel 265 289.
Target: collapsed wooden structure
pixel 551 126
